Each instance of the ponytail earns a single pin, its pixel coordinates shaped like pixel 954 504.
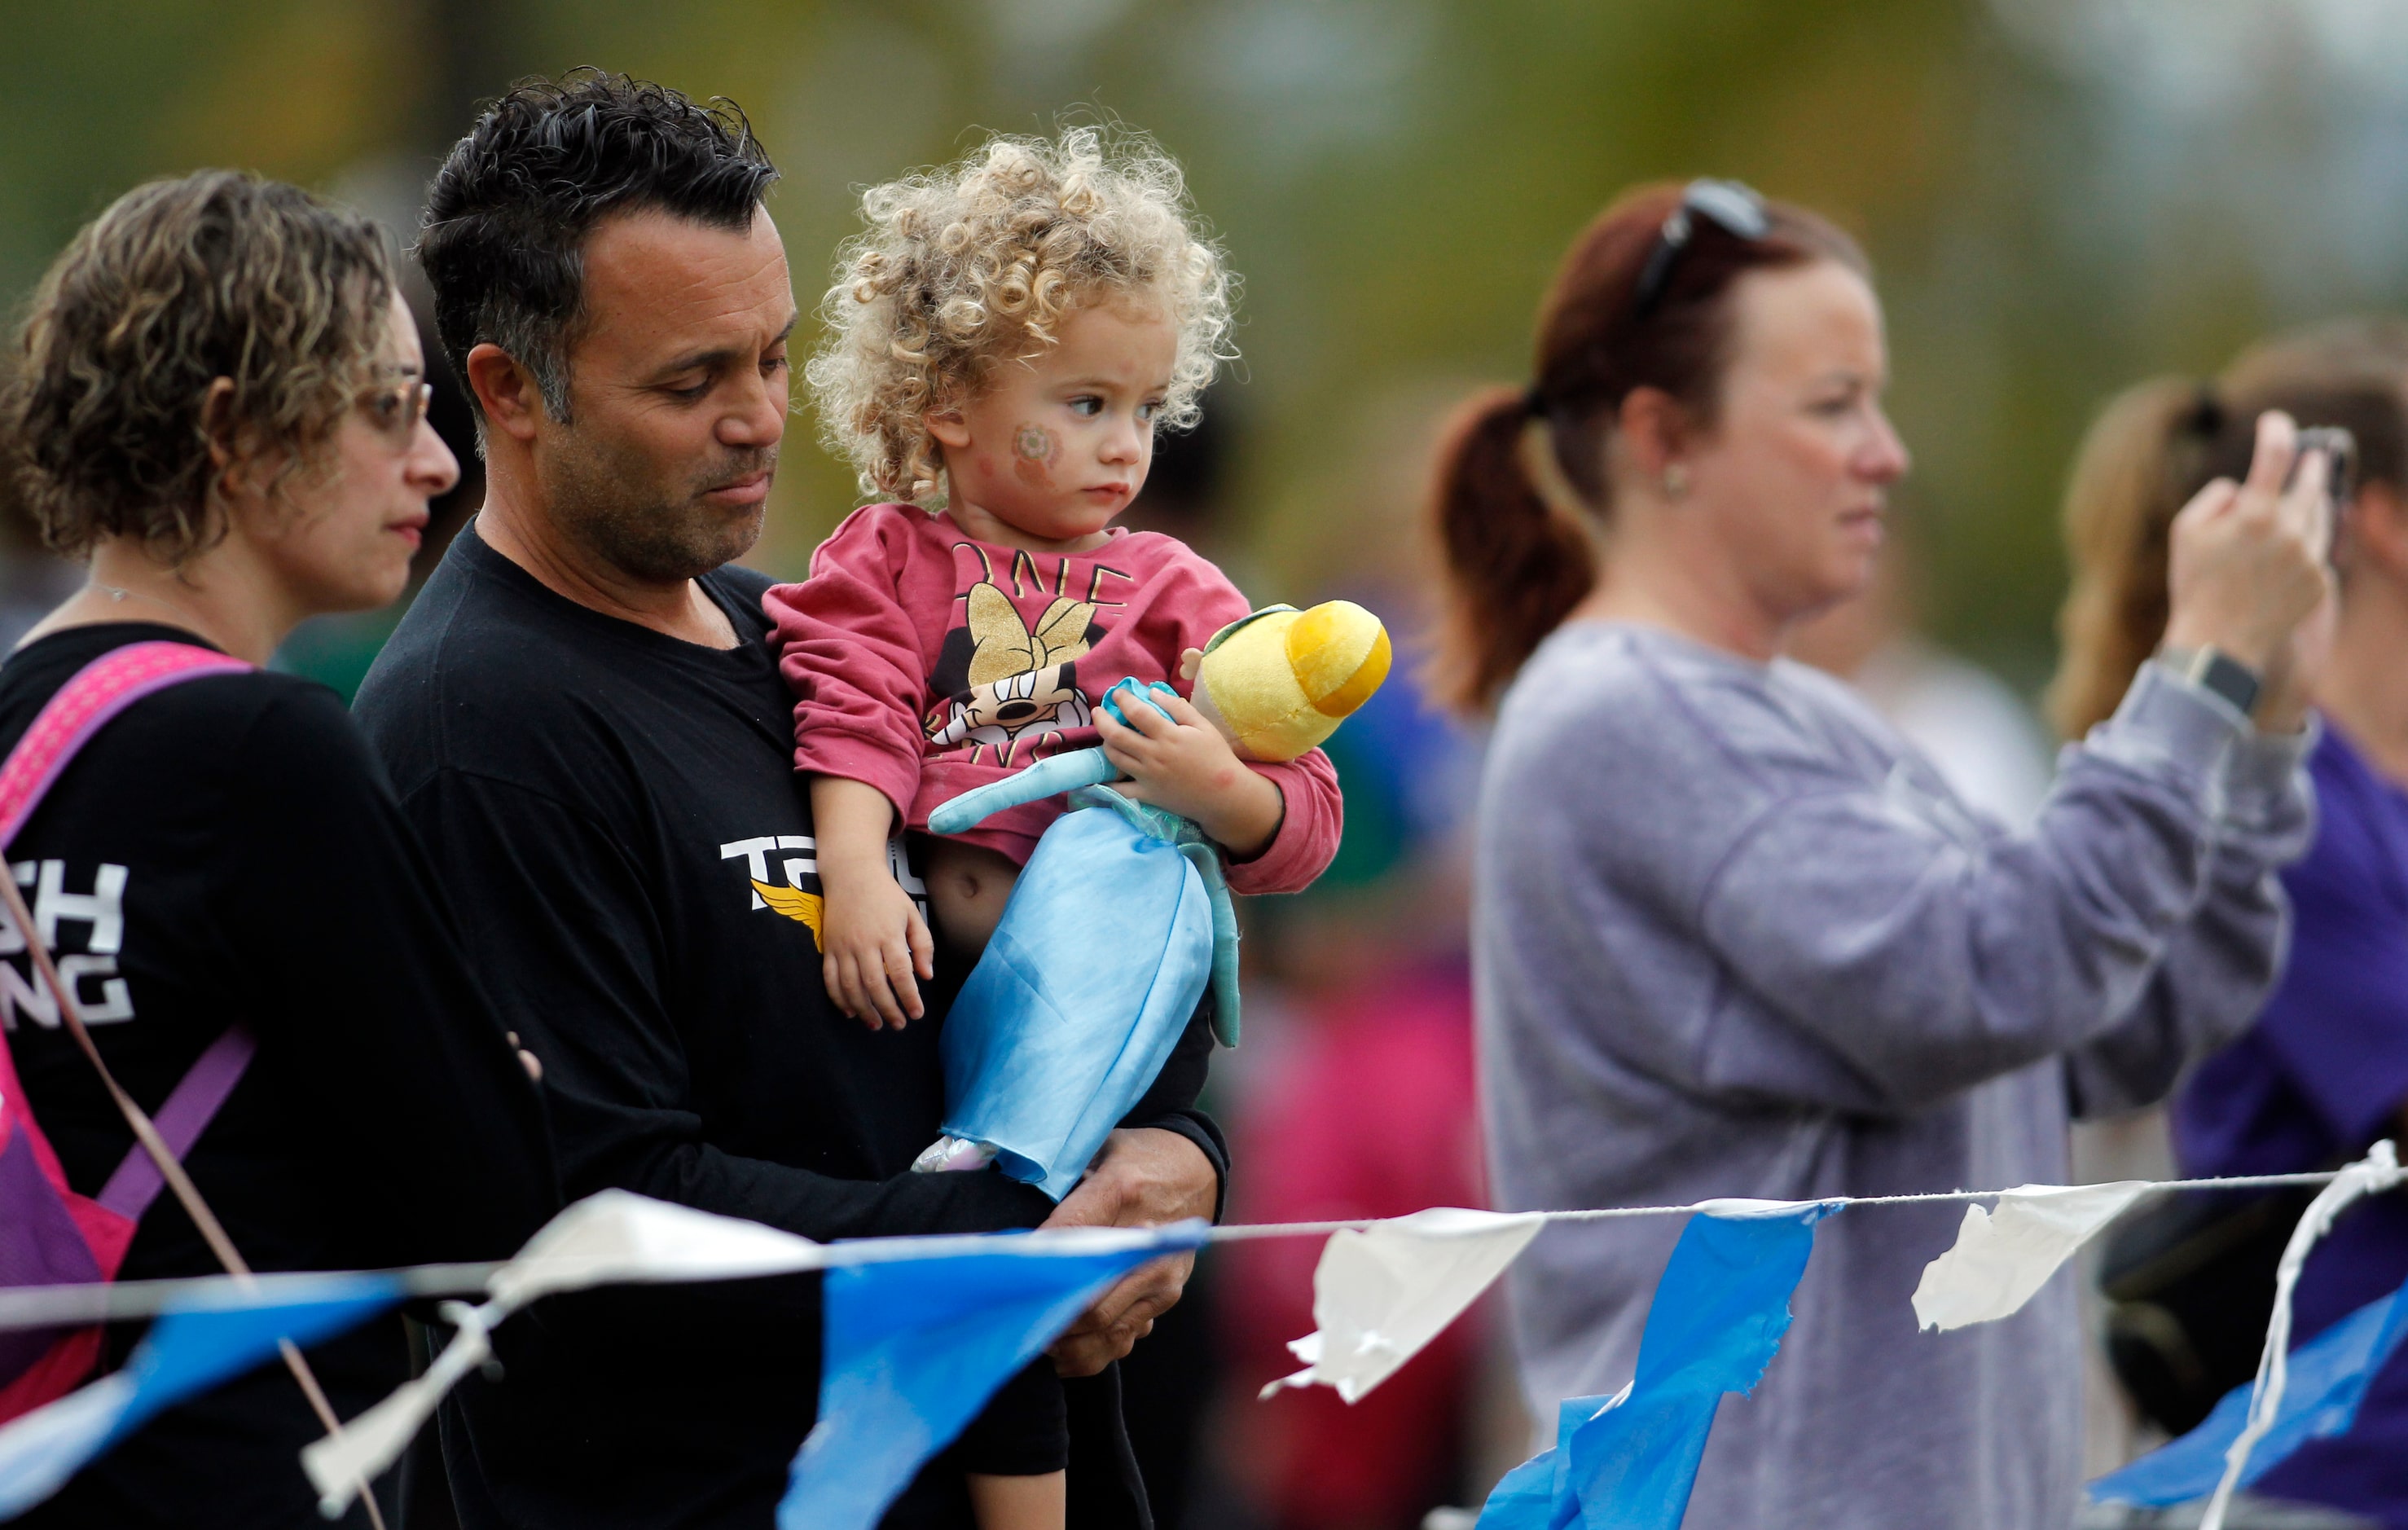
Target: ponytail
pixel 1514 568
pixel 2136 468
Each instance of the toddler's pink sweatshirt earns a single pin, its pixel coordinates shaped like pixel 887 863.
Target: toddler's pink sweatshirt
pixel 926 663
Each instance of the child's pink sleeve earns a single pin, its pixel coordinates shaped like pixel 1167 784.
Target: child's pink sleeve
pixel 849 653
pixel 1308 835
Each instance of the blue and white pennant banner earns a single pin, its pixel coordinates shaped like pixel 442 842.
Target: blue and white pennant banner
pixel 922 1331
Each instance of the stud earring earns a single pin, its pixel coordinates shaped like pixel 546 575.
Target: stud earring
pixel 1676 482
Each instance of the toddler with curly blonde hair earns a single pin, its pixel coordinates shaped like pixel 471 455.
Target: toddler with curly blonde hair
pixel 1004 339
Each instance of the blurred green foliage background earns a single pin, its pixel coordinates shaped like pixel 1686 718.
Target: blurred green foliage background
pixel 2060 196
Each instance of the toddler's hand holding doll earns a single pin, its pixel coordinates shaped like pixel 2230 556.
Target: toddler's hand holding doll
pixel 1177 759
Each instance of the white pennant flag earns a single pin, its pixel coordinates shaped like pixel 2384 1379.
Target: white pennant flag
pixel 614 1236
pixel 39 1451
pixel 1381 1293
pixel 617 1236
pixel 2002 1258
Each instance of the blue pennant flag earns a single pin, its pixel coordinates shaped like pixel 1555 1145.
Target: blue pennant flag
pixel 2328 1378
pixel 188 1350
pixel 1536 1495
pixel 1720 1309
pixel 917 1345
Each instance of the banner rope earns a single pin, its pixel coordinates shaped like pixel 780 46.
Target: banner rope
pixel 1241 1232
pixel 49 1306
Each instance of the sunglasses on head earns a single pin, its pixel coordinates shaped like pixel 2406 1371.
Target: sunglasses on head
pixel 1736 208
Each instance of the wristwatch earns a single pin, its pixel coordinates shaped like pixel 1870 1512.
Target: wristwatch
pixel 2216 672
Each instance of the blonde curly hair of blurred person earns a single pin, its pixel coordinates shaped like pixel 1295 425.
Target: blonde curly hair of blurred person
pixel 2158 443
pixel 113 423
pixel 978 263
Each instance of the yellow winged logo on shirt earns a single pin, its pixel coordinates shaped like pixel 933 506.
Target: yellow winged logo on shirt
pixel 801 906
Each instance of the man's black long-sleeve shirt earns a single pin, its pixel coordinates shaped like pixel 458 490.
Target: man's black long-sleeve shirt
pixel 601 800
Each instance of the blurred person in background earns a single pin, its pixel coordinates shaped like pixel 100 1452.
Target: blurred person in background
pixel 1354 1089
pixel 2324 1071
pixel 1733 936
pixel 218 403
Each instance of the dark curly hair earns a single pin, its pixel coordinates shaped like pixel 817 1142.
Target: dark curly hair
pixel 180 282
pixel 509 212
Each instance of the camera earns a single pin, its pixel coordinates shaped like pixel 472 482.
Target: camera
pixel 2341 447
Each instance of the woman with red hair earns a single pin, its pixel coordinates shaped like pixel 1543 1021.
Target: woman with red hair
pixel 1733 936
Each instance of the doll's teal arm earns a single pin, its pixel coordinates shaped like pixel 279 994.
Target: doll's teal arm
pixel 1054 773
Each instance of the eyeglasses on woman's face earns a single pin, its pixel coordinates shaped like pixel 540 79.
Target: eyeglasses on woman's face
pixel 1735 206
pixel 395 407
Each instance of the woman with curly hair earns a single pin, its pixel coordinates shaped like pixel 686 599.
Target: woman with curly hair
pixel 218 405
pixel 1005 338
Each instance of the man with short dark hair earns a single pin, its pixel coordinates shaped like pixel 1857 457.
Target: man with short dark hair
pixel 586 725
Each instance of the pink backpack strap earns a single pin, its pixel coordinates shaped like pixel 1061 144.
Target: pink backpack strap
pixel 83 706
pixel 99 690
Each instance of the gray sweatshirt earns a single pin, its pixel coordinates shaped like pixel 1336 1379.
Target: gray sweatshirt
pixel 1733 936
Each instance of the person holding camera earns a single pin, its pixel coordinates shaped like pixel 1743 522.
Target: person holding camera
pixel 1734 936
pixel 2323 1072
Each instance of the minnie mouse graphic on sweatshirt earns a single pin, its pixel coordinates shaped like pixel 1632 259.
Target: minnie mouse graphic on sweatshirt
pixel 925 662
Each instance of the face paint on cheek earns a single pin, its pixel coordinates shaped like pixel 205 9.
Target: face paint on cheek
pixel 1035 447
